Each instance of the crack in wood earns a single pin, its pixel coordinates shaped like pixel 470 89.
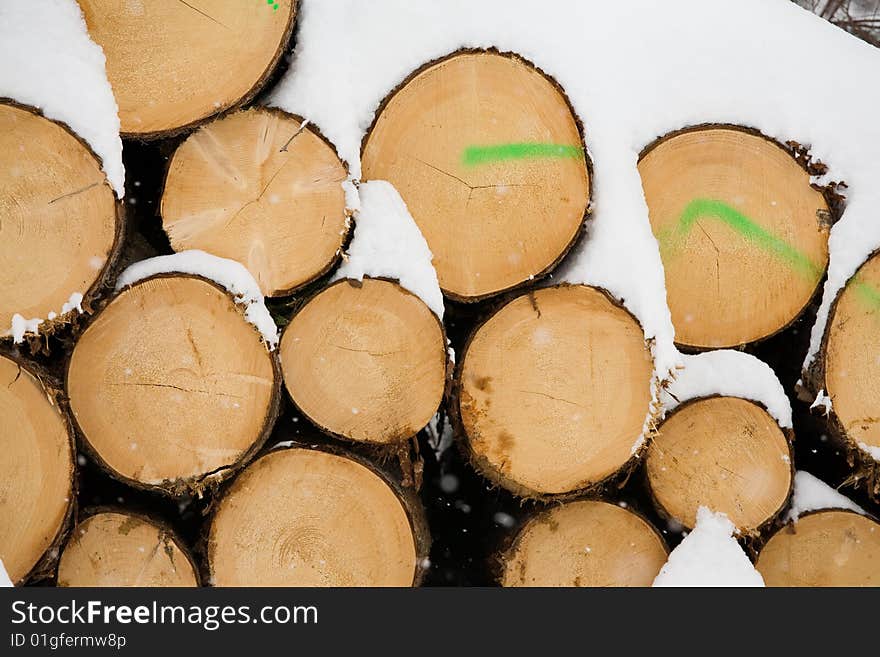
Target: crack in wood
pixel 74 193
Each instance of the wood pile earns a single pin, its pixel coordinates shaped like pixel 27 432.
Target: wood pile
pixel 150 436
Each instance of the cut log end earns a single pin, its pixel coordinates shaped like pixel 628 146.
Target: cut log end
pixel 488 156
pixel 585 543
pixel 365 361
pixel 121 549
pixel 172 64
pixel 725 453
pixel 301 517
pixel 170 386
pixel 554 390
pixel 742 234
pixel 825 548
pixel 36 471
pixel 851 362
pixel 54 189
pixel 261 188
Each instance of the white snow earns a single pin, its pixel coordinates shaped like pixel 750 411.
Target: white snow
pixel 388 243
pixel 229 274
pixel 812 494
pixel 872 450
pixel 730 373
pixel 73 303
pixel 48 61
pixel 709 556
pixel 774 67
pixel 440 434
pixel 21 326
pixel 822 401
pixel 5 581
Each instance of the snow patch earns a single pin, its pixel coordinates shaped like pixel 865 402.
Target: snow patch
pixel 21 326
pixel 709 556
pixel 812 494
pixel 871 450
pixel 387 242
pixel 73 303
pixel 231 275
pixel 439 434
pixel 48 61
pixel 822 401
pixel 5 581
pixel 730 373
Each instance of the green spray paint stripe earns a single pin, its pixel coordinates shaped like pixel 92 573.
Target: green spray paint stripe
pixel 869 294
pixel 474 155
pixel 671 239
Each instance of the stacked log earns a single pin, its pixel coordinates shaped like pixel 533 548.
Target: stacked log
pixel 351 525
pixel 584 543
pixel 365 361
pixel 459 139
pixel 845 376
pixel 263 188
pixel 724 453
pixel 37 493
pixel 116 548
pixel 827 547
pixel 173 65
pixel 553 392
pixel 54 188
pixel 174 395
pixel 742 233
pixel 170 387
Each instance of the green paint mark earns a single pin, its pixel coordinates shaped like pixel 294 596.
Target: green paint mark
pixel 475 155
pixel 671 240
pixel 869 294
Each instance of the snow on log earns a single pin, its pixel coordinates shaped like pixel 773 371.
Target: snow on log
pixel 554 390
pixel 53 188
pixel 488 156
pixel 50 63
pixel 813 494
pixel 584 543
pixel 305 517
pixel 170 386
pixel 229 274
pixel 709 556
pixel 5 582
pixel 832 547
pixel 172 64
pixel 846 373
pixel 36 471
pixel 742 233
pixel 263 188
pixel 365 360
pixel 723 453
pixel 387 243
pixel 115 548
pixel 729 373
